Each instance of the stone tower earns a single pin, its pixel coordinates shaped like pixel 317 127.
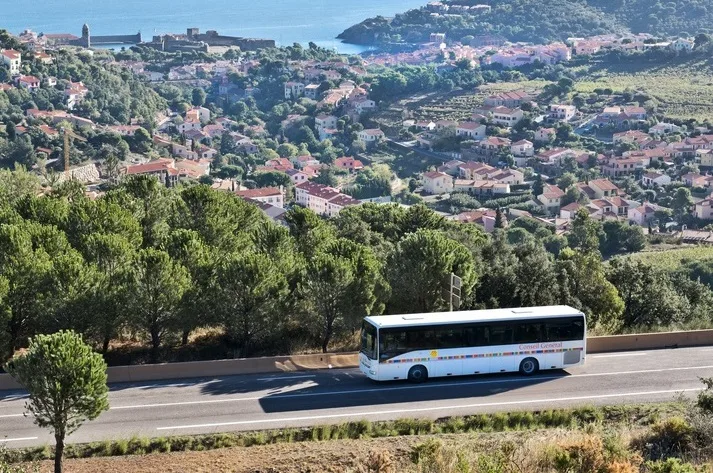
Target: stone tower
pixel 86 37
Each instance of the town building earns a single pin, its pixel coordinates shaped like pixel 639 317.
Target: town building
pixel 436 183
pixel 268 195
pixel 321 199
pixel 562 112
pixel 348 163
pixel 12 59
pixel 471 130
pixel 652 179
pixel 294 90
pixel 370 136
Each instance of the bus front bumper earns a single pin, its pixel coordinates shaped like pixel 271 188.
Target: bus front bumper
pixel 368 367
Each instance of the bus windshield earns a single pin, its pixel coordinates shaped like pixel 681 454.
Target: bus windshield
pixel 368 340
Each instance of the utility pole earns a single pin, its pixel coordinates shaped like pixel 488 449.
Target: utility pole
pixel 453 291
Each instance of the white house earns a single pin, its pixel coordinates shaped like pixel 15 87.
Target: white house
pixel 651 179
pixel 704 209
pixel 28 82
pixel 471 130
pixel 603 188
pixel 325 122
pixel 201 114
pixel 506 116
pixel 294 90
pixel 321 199
pixel 12 59
pixel 481 188
pixel 436 183
pixel 682 45
pixel 522 151
pixel 269 195
pixel 642 214
pixel 371 135
pixel 206 152
pixel 551 197
pixel 664 128
pixel 362 105
pixel 569 211
pixel 545 134
pixel 183 151
pixel 562 112
pixel 508 176
pixel 297 176
pixel 188 124
pixel 311 91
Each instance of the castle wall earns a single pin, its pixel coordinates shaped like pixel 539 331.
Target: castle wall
pixel 117 39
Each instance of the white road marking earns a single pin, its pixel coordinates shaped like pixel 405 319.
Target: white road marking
pixel 617 355
pixel 18 439
pixel 288 377
pixel 129 385
pixel 404 388
pixel 429 409
pixel 11 415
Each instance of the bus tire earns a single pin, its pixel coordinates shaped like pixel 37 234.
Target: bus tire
pixel 529 366
pixel 418 374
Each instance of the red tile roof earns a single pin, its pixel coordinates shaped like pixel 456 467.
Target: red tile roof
pixel 261 192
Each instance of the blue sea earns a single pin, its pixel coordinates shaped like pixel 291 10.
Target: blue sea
pixel 285 21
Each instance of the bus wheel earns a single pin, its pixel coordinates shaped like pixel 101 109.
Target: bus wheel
pixel 418 374
pixel 529 366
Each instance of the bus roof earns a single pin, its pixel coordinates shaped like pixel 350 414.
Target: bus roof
pixel 492 315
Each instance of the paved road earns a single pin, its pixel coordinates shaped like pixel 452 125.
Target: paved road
pixel 302 399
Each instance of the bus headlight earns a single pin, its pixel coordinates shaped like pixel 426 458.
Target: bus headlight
pixel 372 372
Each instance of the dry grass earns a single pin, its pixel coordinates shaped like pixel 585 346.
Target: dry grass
pixel 529 450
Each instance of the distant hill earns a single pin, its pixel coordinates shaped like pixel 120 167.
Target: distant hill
pixel 540 21
pixel 663 18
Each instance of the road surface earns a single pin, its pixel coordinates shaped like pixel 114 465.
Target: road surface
pixel 314 398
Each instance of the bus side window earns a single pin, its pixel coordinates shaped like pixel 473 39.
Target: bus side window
pixel 529 332
pixel 450 337
pixel 420 339
pixel 393 343
pixel 476 336
pixel 501 334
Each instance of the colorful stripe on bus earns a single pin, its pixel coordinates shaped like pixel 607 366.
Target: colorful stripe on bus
pixel 482 355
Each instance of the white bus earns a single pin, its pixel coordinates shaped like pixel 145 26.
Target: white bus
pixel 419 346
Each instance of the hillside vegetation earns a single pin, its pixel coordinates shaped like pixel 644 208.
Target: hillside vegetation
pixel 540 21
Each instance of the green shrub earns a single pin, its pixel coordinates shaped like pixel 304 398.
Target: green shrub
pixel 120 447
pixel 670 465
pixel 424 450
pixel 705 397
pixel 582 456
pixel 359 429
pixel 500 422
pixel 588 415
pixel 478 423
pixel 453 425
pixel 670 438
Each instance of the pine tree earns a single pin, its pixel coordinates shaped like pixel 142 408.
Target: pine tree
pixel 498 218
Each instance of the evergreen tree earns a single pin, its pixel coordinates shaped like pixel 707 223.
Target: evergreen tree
pixel 66 382
pixel 498 218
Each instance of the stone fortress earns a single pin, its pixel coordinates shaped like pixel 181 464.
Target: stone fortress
pixel 87 40
pixel 194 40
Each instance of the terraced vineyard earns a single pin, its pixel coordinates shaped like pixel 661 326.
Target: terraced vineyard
pixel 457 105
pixel 681 89
pixel 673 259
